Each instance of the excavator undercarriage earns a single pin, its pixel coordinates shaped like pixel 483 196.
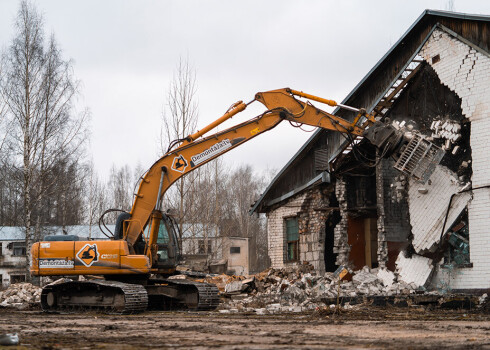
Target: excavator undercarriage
pixel 126 298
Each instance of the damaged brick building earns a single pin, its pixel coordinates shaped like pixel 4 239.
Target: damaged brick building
pixel 337 202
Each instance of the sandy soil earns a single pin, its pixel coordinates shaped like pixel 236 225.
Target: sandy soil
pixel 378 328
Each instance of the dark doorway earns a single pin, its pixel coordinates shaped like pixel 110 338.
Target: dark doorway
pixel 329 256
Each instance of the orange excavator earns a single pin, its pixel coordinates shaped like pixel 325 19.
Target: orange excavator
pixel 129 273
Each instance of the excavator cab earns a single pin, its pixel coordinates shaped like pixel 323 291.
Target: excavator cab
pixel 168 243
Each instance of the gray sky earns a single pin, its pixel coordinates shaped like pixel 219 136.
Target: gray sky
pixel 125 53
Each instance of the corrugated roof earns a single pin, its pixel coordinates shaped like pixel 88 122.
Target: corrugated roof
pixel 17 233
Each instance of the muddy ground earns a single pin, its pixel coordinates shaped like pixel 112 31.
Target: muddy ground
pixel 370 327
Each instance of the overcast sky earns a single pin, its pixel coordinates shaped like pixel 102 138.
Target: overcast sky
pixel 125 53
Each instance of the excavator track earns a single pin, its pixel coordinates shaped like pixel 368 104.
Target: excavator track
pixel 100 295
pixel 172 294
pixel 207 294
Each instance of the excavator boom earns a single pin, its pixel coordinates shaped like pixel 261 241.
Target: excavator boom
pixel 145 242
pixel 193 152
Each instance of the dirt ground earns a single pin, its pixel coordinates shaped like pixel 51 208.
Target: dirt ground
pixel 370 327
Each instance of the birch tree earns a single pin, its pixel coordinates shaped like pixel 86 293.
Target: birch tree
pixel 38 89
pixel 120 186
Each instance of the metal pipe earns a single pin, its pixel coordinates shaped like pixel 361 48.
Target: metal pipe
pixel 349 108
pixel 159 199
pixel 331 103
pixel 236 108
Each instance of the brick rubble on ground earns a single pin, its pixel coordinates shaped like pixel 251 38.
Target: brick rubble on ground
pixel 20 295
pixel 300 289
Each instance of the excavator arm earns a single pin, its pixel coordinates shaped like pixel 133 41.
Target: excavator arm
pixel 135 266
pixel 196 150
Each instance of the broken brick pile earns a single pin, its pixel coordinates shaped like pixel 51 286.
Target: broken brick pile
pixel 300 289
pixel 20 295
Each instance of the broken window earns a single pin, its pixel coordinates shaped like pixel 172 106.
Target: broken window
pixel 200 246
pixel 234 250
pixel 292 239
pixel 17 278
pixel 458 239
pixel 19 248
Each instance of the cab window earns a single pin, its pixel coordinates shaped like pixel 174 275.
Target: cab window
pixel 162 234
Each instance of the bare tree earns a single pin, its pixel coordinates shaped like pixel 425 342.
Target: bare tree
pixel 95 199
pixel 450 5
pixel 38 89
pixel 120 190
pixel 179 119
pixel 243 187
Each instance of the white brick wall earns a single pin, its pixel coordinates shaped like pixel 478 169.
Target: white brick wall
pixel 416 269
pixel 467 72
pixel 276 229
pixel 428 211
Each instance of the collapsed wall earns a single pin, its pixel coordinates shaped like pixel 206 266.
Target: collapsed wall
pixel 420 220
pixel 465 70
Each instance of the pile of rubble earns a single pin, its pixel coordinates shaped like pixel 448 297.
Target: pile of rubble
pixel 300 289
pixel 20 295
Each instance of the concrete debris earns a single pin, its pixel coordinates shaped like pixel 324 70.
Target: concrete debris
pixel 399 188
pixel 235 286
pixel 386 276
pixel 364 276
pixel 482 299
pixel 415 270
pixel 300 289
pixel 449 130
pixel 20 295
pixel 9 339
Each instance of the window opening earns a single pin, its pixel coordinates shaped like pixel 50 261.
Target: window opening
pixel 162 241
pixel 292 239
pixel 458 239
pixel 19 248
pixel 17 278
pixel 200 246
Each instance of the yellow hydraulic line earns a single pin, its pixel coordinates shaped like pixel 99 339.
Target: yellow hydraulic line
pixel 331 103
pixel 236 108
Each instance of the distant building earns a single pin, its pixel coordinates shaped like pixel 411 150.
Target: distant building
pixel 13 248
pixel 235 249
pixel 199 239
pixel 203 246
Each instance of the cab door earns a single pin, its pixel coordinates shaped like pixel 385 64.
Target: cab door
pixel 167 241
